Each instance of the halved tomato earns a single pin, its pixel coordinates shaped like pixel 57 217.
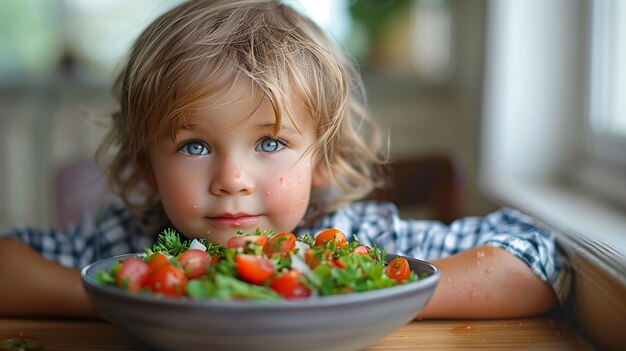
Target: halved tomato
pixel 214 259
pixel 281 244
pixel 157 259
pixel 289 285
pixel 254 268
pixel 361 250
pixel 194 263
pixel 132 274
pixel 245 241
pixel 331 234
pixel 310 259
pixel 166 279
pixel 398 269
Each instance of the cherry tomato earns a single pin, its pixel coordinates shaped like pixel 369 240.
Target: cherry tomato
pixel 310 259
pixel 361 250
pixel 156 259
pixel 167 279
pixel 331 234
pixel 327 258
pixel 398 269
pixel 246 241
pixel 289 285
pixel 132 274
pixel 254 268
pixel 338 263
pixel 281 244
pixel 214 260
pixel 194 263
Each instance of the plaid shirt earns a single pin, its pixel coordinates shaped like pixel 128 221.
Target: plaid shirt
pixel 114 230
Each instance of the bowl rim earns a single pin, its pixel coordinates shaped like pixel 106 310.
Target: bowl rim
pixel 345 299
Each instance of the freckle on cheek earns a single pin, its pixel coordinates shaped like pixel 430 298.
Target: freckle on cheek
pixel 285 182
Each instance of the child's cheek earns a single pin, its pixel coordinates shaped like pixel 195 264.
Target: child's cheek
pixel 289 193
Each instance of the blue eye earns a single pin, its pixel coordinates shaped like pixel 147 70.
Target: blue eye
pixel 194 148
pixel 269 145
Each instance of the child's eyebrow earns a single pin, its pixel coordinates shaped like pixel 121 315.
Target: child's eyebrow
pixel 188 126
pixel 286 127
pixel 182 128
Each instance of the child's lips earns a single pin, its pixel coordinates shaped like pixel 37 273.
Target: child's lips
pixel 234 220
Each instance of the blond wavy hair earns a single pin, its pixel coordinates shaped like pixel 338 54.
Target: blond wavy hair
pixel 198 48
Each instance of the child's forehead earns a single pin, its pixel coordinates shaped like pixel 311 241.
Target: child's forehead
pixel 244 102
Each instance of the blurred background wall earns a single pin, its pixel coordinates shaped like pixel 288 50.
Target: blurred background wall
pixel 422 63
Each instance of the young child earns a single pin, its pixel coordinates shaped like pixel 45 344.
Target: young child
pixel 237 115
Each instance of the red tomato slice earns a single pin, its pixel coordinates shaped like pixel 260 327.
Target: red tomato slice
pixel 246 241
pixel 214 260
pixel 281 244
pixel 310 259
pixel 166 279
pixel 156 259
pixel 398 269
pixel 331 234
pixel 361 250
pixel 254 268
pixel 194 263
pixel 338 263
pixel 327 258
pixel 289 285
pixel 132 274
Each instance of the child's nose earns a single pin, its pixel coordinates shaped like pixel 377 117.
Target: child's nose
pixel 230 179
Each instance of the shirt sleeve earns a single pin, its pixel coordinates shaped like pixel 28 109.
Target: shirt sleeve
pixel 102 233
pixel 518 234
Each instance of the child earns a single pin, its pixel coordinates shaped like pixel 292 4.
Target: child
pixel 237 115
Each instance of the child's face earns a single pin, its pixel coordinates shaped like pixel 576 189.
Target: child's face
pixel 225 172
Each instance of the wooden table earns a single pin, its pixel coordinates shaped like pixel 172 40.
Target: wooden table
pixel 535 333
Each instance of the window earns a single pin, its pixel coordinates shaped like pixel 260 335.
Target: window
pixel 607 108
pixel 603 148
pixel 550 135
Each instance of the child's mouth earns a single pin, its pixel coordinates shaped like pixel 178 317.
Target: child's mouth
pixel 234 220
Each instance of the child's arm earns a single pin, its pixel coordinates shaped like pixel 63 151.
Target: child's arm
pixel 34 286
pixel 40 267
pixel 488 282
pixel 505 264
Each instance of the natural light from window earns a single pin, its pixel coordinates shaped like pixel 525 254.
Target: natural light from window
pixel 608 71
pixel 542 79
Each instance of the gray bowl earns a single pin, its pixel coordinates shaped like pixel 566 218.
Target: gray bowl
pixel 342 322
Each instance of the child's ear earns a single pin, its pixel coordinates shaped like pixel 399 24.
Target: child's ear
pixel 321 175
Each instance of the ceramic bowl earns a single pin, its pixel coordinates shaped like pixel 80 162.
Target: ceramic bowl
pixel 341 322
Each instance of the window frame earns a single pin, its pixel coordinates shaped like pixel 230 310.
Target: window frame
pixel 601 166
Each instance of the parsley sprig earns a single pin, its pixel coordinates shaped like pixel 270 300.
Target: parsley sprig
pixel 170 243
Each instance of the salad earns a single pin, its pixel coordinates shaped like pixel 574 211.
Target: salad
pixel 260 265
